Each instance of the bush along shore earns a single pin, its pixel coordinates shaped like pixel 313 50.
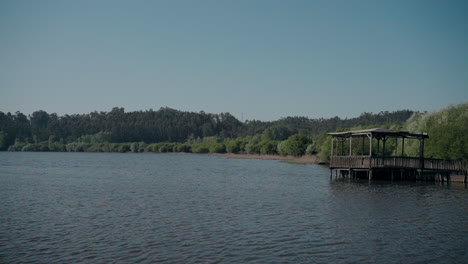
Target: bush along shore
pixel 297 148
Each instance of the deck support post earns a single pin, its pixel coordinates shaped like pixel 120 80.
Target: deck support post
pixel 350 145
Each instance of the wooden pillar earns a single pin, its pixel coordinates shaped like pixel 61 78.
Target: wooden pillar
pixel 421 153
pixel 422 148
pixel 350 146
pixel 396 146
pixel 384 140
pixel 362 148
pixel 403 147
pixel 336 149
pixel 370 155
pixel 378 146
pixel 331 152
pixel 341 145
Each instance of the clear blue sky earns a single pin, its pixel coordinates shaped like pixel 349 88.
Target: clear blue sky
pixel 265 59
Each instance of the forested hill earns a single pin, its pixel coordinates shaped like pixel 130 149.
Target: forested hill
pixel 166 125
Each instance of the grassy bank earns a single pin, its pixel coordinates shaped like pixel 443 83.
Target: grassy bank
pixel 306 159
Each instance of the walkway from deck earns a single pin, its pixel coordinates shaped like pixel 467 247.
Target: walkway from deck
pixel 369 163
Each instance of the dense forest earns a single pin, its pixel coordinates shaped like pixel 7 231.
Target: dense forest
pixel 165 125
pixel 169 130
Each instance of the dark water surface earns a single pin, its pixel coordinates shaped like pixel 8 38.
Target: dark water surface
pixel 176 208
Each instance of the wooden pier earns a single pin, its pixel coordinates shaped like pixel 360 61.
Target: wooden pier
pixel 365 158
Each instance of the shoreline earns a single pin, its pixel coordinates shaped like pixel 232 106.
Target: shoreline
pixel 306 159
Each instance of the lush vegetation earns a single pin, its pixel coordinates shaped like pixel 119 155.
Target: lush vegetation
pixel 447 129
pixel 169 130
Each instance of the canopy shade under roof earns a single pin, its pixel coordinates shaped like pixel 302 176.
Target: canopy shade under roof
pixel 379 132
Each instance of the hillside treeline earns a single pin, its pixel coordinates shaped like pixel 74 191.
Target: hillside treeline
pixel 165 125
pixel 168 130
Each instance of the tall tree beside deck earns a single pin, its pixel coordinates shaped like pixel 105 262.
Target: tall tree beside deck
pixel 447 129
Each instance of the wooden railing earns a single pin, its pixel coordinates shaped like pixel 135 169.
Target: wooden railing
pixel 449 165
pixel 352 162
pixel 366 162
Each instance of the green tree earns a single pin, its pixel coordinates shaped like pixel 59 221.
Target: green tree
pixel 295 145
pixel 39 120
pixel 277 132
pixel 253 147
pixel 200 148
pixel 134 147
pixel 123 147
pixel 233 146
pixel 217 148
pixel 268 147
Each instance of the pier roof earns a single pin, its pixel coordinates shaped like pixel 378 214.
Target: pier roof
pixel 379 132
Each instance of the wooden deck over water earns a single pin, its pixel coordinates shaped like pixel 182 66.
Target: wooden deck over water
pixel 383 162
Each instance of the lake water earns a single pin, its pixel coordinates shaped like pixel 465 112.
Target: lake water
pixel 176 208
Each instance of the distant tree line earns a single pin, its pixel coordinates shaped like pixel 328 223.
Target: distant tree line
pixel 169 130
pixel 166 125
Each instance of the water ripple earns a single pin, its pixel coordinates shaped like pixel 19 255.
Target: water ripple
pixel 154 208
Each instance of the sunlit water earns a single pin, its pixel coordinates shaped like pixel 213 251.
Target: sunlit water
pixel 176 208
